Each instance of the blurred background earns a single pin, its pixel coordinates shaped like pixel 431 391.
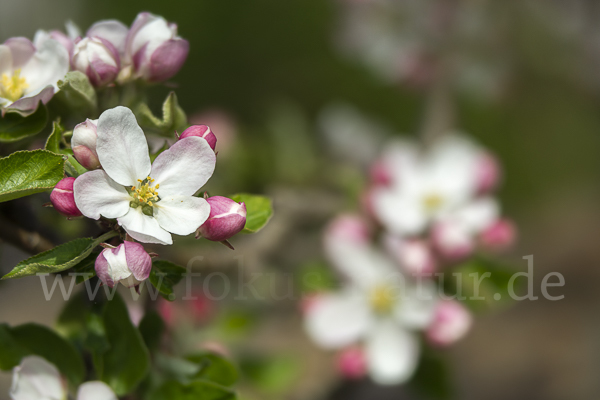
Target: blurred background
pixel 520 76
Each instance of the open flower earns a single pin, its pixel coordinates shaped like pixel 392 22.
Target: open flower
pixel 378 307
pixel 29 73
pixel 35 378
pixel 442 183
pixel 150 201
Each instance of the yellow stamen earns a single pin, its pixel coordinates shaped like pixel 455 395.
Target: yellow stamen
pixel 432 202
pixel 381 299
pixel 144 194
pixel 13 87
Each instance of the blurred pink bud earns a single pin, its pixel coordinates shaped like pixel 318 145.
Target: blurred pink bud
pixel 452 240
pixel 63 200
pixel 225 220
pixel 127 263
pixel 499 236
pixel 98 59
pixel 415 256
pixel 201 308
pixel 157 53
pixel 308 302
pixel 348 228
pixel 166 309
pixel 202 131
pixel 352 363
pixel 83 144
pixel 451 323
pixel 488 173
pixel 380 174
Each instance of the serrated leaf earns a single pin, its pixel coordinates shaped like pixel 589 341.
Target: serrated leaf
pixel 215 368
pixel 78 92
pixel 41 341
pixel 14 126
pixel 58 259
pixel 164 276
pixel 197 390
pixel 259 211
pixel 127 361
pixel 53 142
pixel 27 172
pixel 173 117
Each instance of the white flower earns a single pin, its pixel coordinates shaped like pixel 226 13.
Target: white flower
pixel 149 201
pixel 378 307
pixel 37 379
pixel 29 72
pixel 441 184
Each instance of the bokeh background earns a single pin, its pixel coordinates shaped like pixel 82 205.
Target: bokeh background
pixel 520 76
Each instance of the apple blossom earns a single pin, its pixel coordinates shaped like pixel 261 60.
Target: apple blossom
pixel 452 321
pixel 352 363
pixel 98 59
pixel 29 73
pixel 202 131
pixel 150 201
pixel 112 31
pixel 413 255
pixel 83 144
pixel 62 198
pixel 226 219
pixel 35 378
pixel 378 307
pixel 153 48
pixel 127 263
pixel 499 236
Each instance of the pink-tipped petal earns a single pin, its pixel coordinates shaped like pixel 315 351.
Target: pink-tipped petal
pixel 202 131
pixel 168 59
pixel 63 199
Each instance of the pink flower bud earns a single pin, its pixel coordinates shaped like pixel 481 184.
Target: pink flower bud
pixel 499 236
pixel 453 240
pixel 225 220
pixel 414 256
pixel 488 173
pixel 98 59
pixel 202 131
pixel 352 363
pixel 380 174
pixel 348 228
pixel 63 200
pixel 451 323
pixel 154 48
pixel 83 144
pixel 127 263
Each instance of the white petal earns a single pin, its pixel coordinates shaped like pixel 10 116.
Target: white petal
pixel 6 61
pixel 112 30
pixel 337 320
pixel 181 215
pixel 478 214
pixel 117 264
pixel 121 146
pixel 416 308
pixel 392 353
pixel 144 228
pixel 96 194
pixel 48 65
pixel 36 379
pixel 95 390
pixel 184 168
pixel 400 212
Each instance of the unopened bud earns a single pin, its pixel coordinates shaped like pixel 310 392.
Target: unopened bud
pixel 451 323
pixel 98 59
pixel 127 263
pixel 202 131
pixel 225 220
pixel 352 363
pixel 83 144
pixel 499 236
pixel 63 200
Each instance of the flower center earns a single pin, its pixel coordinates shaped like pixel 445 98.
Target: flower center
pixel 13 87
pixel 144 195
pixel 381 299
pixel 432 202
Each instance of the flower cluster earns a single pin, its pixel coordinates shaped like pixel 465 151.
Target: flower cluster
pixel 149 201
pixel 109 52
pixel 426 209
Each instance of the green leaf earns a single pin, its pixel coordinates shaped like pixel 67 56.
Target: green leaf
pixel 27 172
pixel 215 368
pixel 259 211
pixel 173 118
pixel 53 142
pixel 10 350
pixel 59 258
pixel 164 276
pixel 42 341
pixel 197 390
pixel 78 93
pixel 431 379
pixel 272 374
pixel 152 328
pixel 14 126
pixel 127 361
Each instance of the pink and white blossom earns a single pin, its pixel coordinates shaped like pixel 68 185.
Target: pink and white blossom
pixel 150 201
pixel 202 131
pixel 63 199
pixel 451 323
pixel 227 218
pixel 98 59
pixel 128 264
pixel 83 144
